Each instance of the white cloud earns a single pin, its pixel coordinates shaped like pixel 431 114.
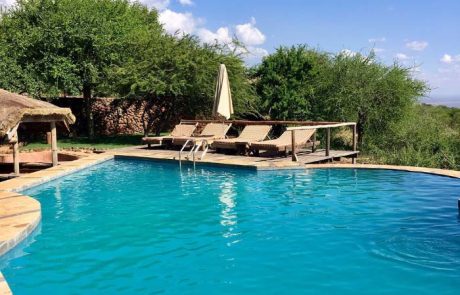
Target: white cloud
pixel 449 59
pixel 257 52
pixel 249 34
pixel 252 55
pixel 186 2
pixel 185 23
pixel 417 45
pixel 376 40
pixel 222 35
pixel 348 52
pixel 378 50
pixel 416 70
pixel 7 3
pixel 401 56
pixel 158 4
pixel 178 22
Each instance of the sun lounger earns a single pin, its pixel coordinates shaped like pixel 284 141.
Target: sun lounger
pixel 179 130
pixel 250 134
pixel 210 132
pixel 284 142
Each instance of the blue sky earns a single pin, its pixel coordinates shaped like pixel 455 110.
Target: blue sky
pixel 424 34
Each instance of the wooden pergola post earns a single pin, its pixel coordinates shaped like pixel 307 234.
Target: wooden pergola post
pixel 16 154
pixel 293 146
pixel 354 143
pixel 313 147
pixel 54 148
pixel 328 141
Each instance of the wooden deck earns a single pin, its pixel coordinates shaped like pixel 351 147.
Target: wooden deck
pixel 261 162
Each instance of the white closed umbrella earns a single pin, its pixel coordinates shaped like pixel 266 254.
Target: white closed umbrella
pixel 223 104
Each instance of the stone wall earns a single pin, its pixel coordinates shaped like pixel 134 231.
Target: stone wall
pixel 111 116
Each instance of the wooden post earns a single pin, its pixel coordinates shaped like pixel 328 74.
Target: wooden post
pixel 328 142
pixel 354 143
pixel 54 148
pixel 48 137
pixel 313 147
pixel 293 151
pixel 16 154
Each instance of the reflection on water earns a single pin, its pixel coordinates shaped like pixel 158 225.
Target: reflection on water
pixel 136 227
pixel 229 217
pixel 21 249
pixel 59 205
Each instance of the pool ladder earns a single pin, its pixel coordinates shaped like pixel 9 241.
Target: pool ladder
pixel 194 150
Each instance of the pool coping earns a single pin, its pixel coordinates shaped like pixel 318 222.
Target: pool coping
pixel 20 214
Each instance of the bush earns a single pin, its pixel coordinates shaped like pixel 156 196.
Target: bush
pixel 424 138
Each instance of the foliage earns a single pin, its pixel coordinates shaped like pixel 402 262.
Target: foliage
pixel 68 46
pixel 428 136
pixel 393 128
pixel 113 47
pixel 374 95
pixel 117 47
pixel 287 81
pixel 306 84
pixel 178 75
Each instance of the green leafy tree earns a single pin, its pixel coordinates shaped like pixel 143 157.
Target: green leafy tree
pixel 359 88
pixel 177 75
pixel 286 82
pixel 306 84
pixel 69 46
pixel 424 137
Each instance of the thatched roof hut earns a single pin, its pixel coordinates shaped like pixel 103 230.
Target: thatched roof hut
pixel 15 108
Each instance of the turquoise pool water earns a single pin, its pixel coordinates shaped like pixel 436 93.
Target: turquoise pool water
pixel 139 227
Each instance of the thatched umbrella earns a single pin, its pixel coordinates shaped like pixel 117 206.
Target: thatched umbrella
pixel 16 109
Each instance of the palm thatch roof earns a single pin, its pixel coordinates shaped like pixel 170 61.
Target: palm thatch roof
pixel 15 108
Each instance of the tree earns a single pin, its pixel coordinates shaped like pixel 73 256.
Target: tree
pixel 306 84
pixel 359 88
pixel 177 75
pixel 286 82
pixel 427 136
pixel 69 46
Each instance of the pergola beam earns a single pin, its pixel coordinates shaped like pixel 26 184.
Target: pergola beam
pixel 322 126
pixel 246 122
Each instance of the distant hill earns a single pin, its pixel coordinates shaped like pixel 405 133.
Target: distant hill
pixel 449 101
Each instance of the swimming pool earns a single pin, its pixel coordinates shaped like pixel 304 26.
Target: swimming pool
pixel 136 227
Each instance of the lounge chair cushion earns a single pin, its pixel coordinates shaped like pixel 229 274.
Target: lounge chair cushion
pixel 178 131
pixel 210 132
pixel 250 133
pixel 284 142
